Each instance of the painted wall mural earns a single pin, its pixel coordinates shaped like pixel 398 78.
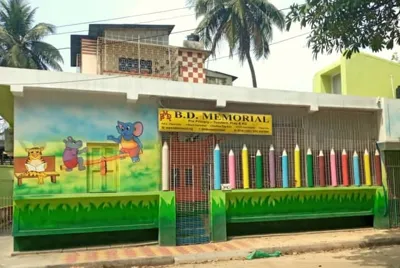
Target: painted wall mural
pixel 79 144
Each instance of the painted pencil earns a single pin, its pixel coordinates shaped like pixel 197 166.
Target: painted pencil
pixel 345 168
pixel 285 170
pixel 333 168
pixel 231 169
pixel 367 168
pixel 259 170
pixel 378 169
pixel 310 169
pixel 245 167
pixel 165 167
pixel 217 168
pixel 321 169
pixel 271 161
pixel 356 169
pixel 297 164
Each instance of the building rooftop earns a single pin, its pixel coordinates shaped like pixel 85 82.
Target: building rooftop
pixel 96 30
pixel 223 74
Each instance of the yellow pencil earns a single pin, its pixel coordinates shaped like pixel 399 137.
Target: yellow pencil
pixel 367 169
pixel 245 167
pixel 297 176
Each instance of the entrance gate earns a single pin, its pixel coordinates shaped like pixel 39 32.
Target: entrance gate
pixel 191 160
pixel 392 163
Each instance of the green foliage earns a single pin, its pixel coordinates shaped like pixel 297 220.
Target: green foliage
pixel 245 24
pixel 347 26
pixel 21 44
pixel 280 203
pixel 44 215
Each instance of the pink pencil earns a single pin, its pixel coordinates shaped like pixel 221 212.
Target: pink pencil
pixel 333 168
pixel 231 169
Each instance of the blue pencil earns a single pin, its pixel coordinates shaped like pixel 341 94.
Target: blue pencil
pixel 285 170
pixel 217 168
pixel 356 169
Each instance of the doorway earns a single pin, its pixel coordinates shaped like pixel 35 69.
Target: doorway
pixel 191 165
pixel 392 163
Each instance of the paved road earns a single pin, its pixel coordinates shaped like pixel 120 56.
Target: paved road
pixel 374 258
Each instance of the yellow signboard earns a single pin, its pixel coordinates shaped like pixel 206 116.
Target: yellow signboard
pixel 214 122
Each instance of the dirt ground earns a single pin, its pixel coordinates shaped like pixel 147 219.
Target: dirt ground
pixel 383 257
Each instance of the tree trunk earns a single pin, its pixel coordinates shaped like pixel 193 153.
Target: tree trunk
pixel 253 74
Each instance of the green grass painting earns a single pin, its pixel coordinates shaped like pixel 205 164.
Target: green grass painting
pixel 86 213
pixel 281 203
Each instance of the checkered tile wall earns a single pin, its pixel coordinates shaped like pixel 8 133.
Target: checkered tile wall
pixel 191 67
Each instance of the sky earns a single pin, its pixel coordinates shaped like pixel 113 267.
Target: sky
pixel 79 118
pixel 290 65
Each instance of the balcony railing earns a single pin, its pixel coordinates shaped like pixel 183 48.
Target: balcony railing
pixel 139 59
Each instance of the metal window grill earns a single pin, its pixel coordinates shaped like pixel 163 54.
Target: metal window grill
pixel 392 163
pixel 323 130
pixel 163 58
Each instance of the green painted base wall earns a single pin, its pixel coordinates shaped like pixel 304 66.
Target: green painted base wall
pixel 167 219
pixel 274 205
pixel 38 219
pixel 218 216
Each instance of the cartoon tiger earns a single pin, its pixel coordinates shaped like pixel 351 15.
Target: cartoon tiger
pixel 35 164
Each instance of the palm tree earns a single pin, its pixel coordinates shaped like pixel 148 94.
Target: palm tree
pixel 245 24
pixel 21 44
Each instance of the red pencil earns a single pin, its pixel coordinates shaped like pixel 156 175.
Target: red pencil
pixel 345 168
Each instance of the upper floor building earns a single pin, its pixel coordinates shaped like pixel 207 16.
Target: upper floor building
pixel 361 75
pixel 143 51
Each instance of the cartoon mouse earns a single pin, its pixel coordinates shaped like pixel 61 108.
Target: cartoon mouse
pixel 71 153
pixel 129 139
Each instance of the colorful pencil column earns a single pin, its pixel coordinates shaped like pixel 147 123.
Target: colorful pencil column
pixel 333 168
pixel 217 168
pixel 297 176
pixel 356 169
pixel 271 161
pixel 378 171
pixel 321 169
pixel 285 170
pixel 245 167
pixel 345 168
pixel 165 167
pixel 259 170
pixel 310 171
pixel 367 168
pixel 231 169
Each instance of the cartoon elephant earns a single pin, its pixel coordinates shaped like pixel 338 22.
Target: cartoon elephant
pixel 128 139
pixel 71 154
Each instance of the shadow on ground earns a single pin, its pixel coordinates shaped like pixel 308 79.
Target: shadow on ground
pixel 383 256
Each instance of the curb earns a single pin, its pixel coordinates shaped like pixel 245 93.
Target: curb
pixel 145 261
pixel 287 250
pixel 232 255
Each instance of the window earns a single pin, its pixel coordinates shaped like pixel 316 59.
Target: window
pixel 188 177
pixel 337 84
pixel 132 65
